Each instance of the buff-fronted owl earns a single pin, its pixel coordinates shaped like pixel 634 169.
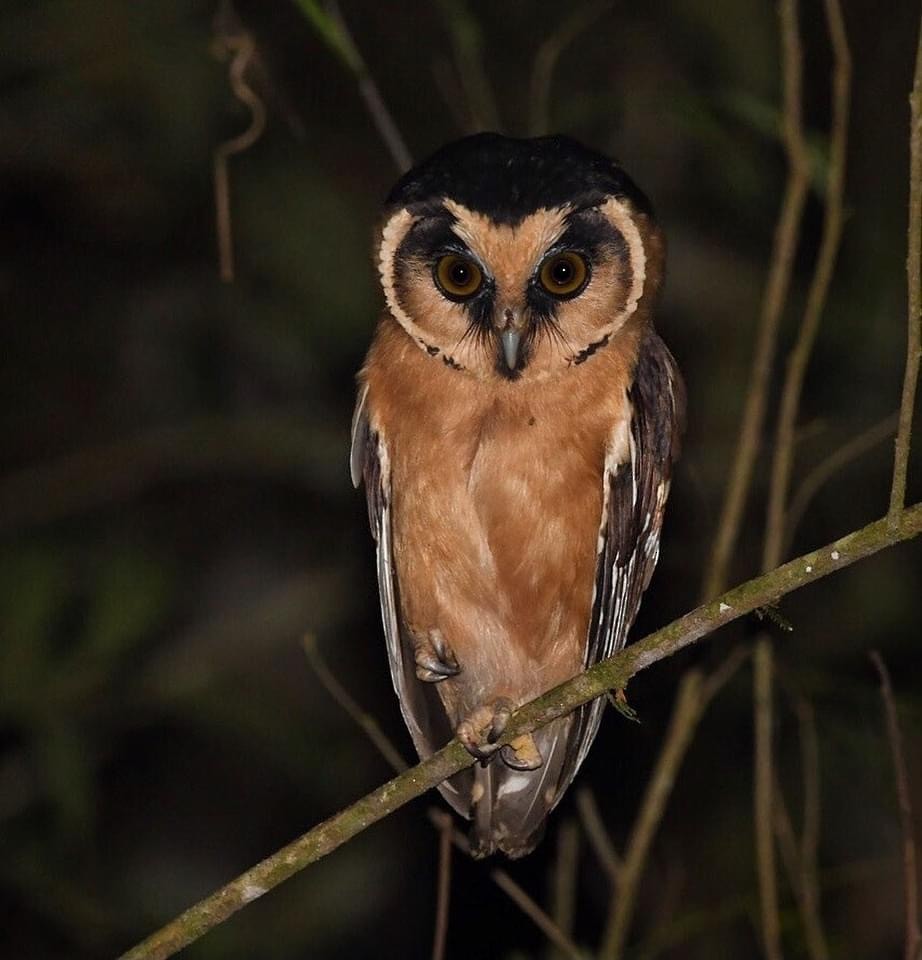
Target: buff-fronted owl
pixel 517 422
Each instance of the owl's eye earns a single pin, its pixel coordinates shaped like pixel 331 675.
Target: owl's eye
pixel 457 277
pixel 564 274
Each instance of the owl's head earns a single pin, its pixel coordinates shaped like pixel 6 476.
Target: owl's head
pixel 517 258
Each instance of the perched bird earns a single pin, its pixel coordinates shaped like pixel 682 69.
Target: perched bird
pixel 516 426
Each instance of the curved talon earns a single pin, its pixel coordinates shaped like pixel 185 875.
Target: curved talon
pixel 502 711
pixel 469 735
pixel 435 660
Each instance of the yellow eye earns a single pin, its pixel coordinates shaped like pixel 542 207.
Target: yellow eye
pixel 564 274
pixel 457 277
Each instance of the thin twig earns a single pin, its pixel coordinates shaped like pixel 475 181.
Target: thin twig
pixel 695 693
pixel 787 232
pixel 763 800
pixel 467 45
pixel 443 897
pixel 913 945
pixel 817 946
pixel 531 909
pixel 799 358
pixel 613 673
pixel 598 836
pixel 914 283
pixel 342 696
pixel 439 818
pixel 828 467
pixel 548 54
pixel 564 880
pixel 96 476
pixel 240 45
pixel 334 31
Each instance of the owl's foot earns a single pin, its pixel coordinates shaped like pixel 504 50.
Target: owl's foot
pixel 522 753
pixel 435 660
pixel 480 731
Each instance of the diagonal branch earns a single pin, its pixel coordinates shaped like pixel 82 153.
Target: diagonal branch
pixel 787 232
pixel 913 946
pixel 695 693
pixel 914 279
pixel 799 358
pixel 613 673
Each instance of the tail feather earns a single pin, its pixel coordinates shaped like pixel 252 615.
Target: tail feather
pixel 510 807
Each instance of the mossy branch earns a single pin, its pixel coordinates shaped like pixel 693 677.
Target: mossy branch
pixel 613 673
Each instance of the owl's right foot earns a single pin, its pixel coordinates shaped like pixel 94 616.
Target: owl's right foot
pixel 480 731
pixel 435 660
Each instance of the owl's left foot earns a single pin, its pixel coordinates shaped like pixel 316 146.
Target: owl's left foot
pixel 435 660
pixel 480 731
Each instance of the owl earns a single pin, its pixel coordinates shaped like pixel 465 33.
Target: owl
pixel 516 425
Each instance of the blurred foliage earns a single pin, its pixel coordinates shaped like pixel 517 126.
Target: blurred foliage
pixel 175 509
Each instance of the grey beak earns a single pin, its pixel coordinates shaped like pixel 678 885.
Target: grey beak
pixel 511 339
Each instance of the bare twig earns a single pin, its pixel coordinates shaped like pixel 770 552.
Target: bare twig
pixel 799 358
pixel 913 945
pixel 96 476
pixel 443 898
pixel 598 836
pixel 239 44
pixel 613 673
pixel 828 467
pixel 817 947
pixel 467 45
pixel 334 31
pixel 540 919
pixel 564 880
pixel 438 818
pixel 342 696
pixel 914 280
pixel 787 232
pixel 695 693
pixel 800 858
pixel 762 801
pixel 548 54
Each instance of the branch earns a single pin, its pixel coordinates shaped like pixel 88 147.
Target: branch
pixel 776 291
pixel 598 837
pixel 914 281
pixel 99 475
pixel 546 59
pixel 829 466
pixel 799 358
pixel 763 800
pixel 913 948
pixel 695 693
pixel 334 31
pixel 233 40
pixel 612 673
pixel 443 896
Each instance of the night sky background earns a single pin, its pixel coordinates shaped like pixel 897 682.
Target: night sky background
pixel 175 506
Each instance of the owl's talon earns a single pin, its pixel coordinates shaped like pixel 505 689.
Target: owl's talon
pixel 435 660
pixel 480 731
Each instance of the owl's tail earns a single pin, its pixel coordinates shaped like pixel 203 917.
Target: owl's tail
pixel 509 807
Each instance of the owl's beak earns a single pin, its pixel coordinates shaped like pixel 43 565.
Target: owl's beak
pixel 510 336
pixel 510 340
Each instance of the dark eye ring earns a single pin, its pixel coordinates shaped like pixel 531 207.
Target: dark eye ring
pixel 459 278
pixel 564 275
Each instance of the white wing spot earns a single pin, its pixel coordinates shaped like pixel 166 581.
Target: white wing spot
pixel 834 554
pixel 724 607
pixel 809 568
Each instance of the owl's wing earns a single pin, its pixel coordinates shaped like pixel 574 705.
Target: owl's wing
pixel 419 702
pixel 634 500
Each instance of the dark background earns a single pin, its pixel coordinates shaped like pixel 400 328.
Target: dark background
pixel 175 508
